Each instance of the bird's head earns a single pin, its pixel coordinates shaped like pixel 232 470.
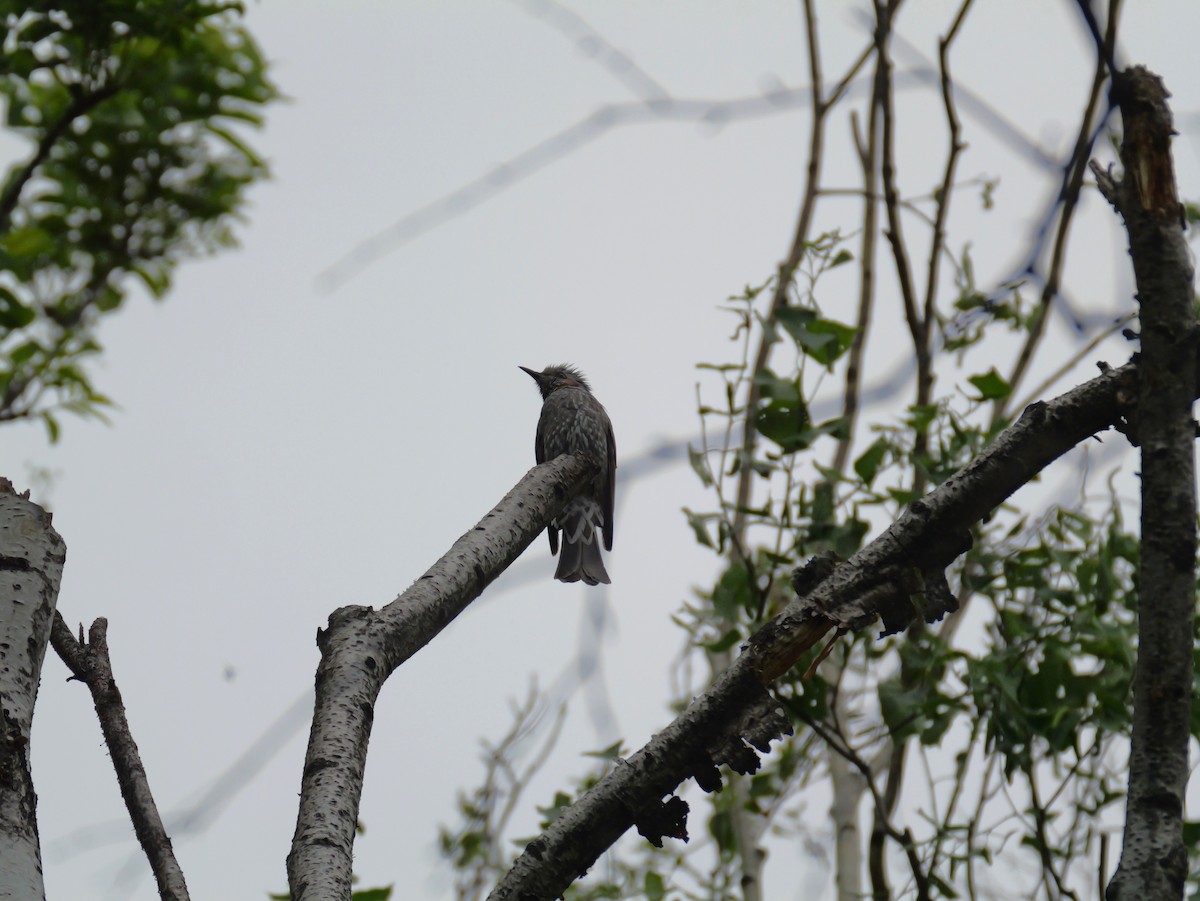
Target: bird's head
pixel 552 378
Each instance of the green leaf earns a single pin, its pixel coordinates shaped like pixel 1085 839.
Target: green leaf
pixel 838 427
pixel 156 279
pixel 720 827
pixel 653 888
pixel 868 463
pixel 991 385
pixel 110 299
pixel 52 430
pixel 612 752
pixel 13 313
pixel 699 524
pixel 1191 833
pixel 903 496
pixel 733 593
pixel 785 423
pixel 901 708
pixel 700 466
pixel 560 803
pixel 24 353
pixel 824 340
pixel 784 417
pixel 26 241
pixel 372 894
pixel 725 642
pixel 919 417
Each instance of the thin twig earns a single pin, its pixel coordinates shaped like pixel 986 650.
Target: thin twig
pixel 1048 383
pixel 1104 45
pixel 573 26
pixel 820 111
pixel 956 148
pixel 1042 838
pixel 903 838
pixel 868 155
pixel 1072 183
pixel 895 234
pixel 89 662
pixel 960 770
pixel 746 834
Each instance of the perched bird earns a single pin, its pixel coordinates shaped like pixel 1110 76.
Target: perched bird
pixel 573 422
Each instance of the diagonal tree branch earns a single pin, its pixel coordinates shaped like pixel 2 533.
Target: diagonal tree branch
pixel 737 712
pixel 1068 199
pixel 362 647
pixel 89 663
pixel 80 106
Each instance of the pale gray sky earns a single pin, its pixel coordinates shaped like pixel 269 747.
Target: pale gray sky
pixel 280 451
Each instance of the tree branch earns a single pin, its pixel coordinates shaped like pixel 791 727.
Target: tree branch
pixel 868 157
pixel 80 106
pixel 31 563
pixel 362 647
pixel 1153 858
pixel 89 662
pixel 783 279
pixel 1068 197
pixel 737 713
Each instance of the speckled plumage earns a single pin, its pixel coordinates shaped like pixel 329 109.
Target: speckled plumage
pixel 574 422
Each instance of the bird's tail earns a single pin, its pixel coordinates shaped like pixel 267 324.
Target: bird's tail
pixel 580 555
pixel 580 559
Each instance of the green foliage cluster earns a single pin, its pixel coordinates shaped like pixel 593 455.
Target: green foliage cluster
pixel 1029 684
pixel 129 113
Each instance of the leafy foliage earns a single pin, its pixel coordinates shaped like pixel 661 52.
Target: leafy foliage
pixel 1039 691
pixel 130 112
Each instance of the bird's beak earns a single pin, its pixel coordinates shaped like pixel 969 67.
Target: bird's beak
pixel 537 376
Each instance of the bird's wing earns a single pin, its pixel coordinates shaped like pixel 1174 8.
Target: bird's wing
pixel 539 454
pixel 610 483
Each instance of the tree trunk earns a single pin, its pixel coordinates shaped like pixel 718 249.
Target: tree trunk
pixel 1153 858
pixel 31 562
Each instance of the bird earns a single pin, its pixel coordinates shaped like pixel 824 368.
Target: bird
pixel 574 422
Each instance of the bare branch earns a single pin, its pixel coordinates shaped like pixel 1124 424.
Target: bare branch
pixel 544 153
pixel 882 98
pixel 783 278
pixel 868 156
pixel 362 647
pixel 90 663
pixel 572 25
pixel 1068 198
pixel 937 247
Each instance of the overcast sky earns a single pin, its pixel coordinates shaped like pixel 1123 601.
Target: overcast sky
pixel 281 449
